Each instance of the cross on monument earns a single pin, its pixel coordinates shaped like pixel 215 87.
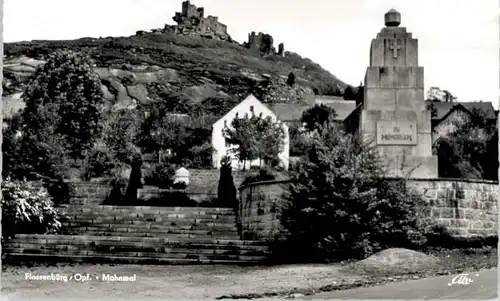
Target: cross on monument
pixel 394 46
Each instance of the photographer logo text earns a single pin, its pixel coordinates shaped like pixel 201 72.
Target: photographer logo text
pixel 461 279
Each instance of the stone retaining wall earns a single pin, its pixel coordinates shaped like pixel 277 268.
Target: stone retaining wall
pixel 97 192
pixel 466 208
pixel 203 185
pixel 259 204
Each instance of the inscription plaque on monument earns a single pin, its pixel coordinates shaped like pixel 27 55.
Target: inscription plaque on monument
pixel 396 133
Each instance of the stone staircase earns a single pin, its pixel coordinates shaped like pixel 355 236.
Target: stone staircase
pixel 140 235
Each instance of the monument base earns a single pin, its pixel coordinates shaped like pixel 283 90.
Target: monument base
pixel 412 167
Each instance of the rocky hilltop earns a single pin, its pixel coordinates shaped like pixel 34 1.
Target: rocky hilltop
pixel 184 60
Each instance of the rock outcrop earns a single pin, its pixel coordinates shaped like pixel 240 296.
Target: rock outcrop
pixel 143 69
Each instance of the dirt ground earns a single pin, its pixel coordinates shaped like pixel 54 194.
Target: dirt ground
pixel 216 281
pixel 167 282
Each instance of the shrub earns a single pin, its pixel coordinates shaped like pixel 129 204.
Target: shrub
pixel 162 175
pixel 340 207
pixel 99 162
pixel 118 183
pixel 264 174
pixel 171 199
pixel 179 186
pixel 27 209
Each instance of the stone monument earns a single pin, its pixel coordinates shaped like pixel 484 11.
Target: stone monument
pixel 394 114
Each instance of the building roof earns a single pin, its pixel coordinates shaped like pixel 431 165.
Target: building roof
pixel 443 108
pixel 314 99
pixel 287 112
pixel 293 112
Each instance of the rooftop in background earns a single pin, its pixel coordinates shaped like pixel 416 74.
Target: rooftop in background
pixel 293 112
pixel 443 108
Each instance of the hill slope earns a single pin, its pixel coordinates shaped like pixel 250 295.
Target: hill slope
pixel 145 68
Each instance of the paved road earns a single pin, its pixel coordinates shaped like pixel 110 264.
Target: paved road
pixel 484 286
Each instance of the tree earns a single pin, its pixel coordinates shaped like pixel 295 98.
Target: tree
pixel 186 138
pixel 119 134
pixel 448 97
pixel 226 191
pixel 339 205
pixel 349 93
pixel 471 151
pixel 11 165
pixel 255 138
pixel 40 154
pixel 217 106
pixel 291 79
pixel 360 94
pixel 65 93
pixel 431 107
pixel 435 94
pixel 161 130
pixel 317 116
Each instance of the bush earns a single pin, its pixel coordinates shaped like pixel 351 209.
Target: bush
pixel 161 175
pixel 118 183
pixel 171 198
pixel 264 174
pixel 179 186
pixel 339 206
pixel 99 163
pixel 27 209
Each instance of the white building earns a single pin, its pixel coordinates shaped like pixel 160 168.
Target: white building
pixel 251 105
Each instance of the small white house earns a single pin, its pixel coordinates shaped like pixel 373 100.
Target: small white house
pixel 250 105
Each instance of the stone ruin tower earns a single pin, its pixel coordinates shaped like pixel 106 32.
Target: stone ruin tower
pixel 192 21
pixel 394 114
pixel 264 43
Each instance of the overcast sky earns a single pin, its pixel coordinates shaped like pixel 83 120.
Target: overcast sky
pixel 458 39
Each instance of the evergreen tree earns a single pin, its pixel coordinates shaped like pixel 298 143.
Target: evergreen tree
pixel 226 192
pixel 291 79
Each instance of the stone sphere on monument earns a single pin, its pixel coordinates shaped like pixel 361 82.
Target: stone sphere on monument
pixel 392 18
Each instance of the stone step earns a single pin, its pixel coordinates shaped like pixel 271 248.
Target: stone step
pixel 130 251
pixel 195 211
pixel 105 233
pixel 124 230
pixel 151 219
pixel 153 225
pixel 137 242
pixel 112 258
pixel 72 239
pixel 143 246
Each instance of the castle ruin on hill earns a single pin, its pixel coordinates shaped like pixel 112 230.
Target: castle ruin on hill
pixel 192 21
pixel 264 43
